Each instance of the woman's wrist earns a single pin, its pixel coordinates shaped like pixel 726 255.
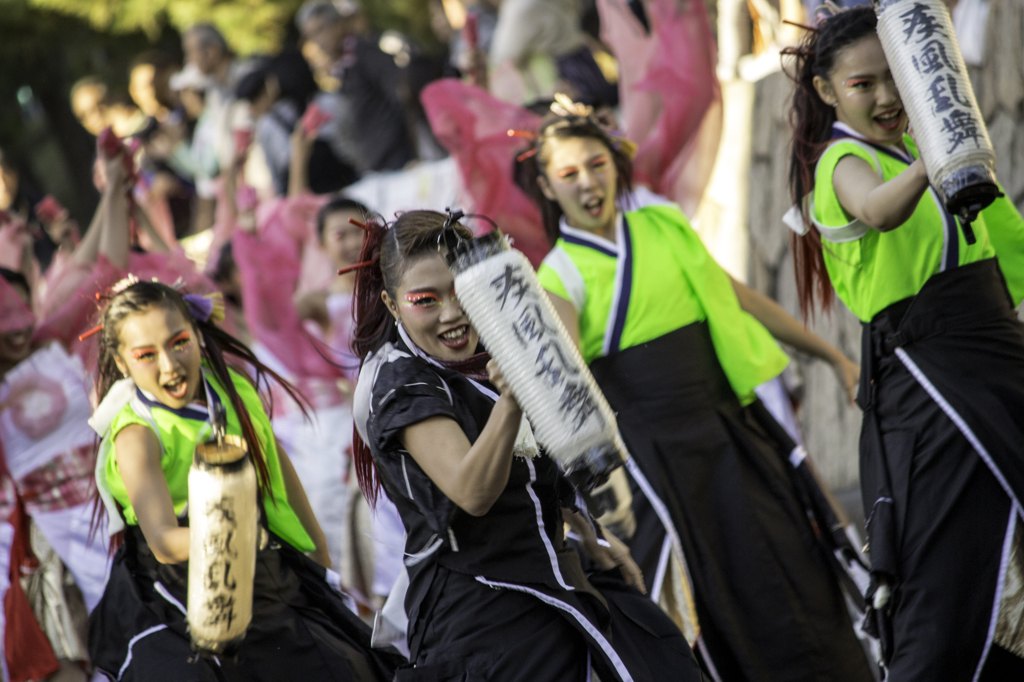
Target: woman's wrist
pixel 921 170
pixel 835 357
pixel 508 403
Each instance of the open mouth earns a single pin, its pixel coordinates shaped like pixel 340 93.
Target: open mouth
pixel 455 338
pixel 176 389
pixel 593 207
pixel 890 120
pixel 17 341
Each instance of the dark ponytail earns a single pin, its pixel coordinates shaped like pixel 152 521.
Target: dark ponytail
pixel 218 345
pixel 388 250
pixel 812 122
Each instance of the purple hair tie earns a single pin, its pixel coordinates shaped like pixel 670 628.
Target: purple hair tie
pixel 200 307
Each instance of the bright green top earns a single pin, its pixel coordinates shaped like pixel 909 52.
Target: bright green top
pixel 675 282
pixel 871 270
pixel 179 431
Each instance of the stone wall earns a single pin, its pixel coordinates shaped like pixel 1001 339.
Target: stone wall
pixel 831 426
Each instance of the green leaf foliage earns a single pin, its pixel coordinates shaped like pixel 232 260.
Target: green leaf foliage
pixel 250 26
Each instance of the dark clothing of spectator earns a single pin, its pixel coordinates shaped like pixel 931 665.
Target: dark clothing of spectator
pixel 377 124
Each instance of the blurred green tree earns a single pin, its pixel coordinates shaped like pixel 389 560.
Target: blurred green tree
pixel 250 26
pixel 42 54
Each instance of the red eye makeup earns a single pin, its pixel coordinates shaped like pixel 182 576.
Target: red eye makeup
pixel 423 300
pixel 143 354
pixel 567 172
pixel 857 82
pixel 181 341
pixel 599 161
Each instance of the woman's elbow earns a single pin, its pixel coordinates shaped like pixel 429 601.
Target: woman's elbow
pixel 167 557
pixel 885 225
pixel 476 505
pixel 886 221
pixel 169 550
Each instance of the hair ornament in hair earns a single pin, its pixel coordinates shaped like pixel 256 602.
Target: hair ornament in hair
pixel 116 288
pixel 623 144
pixel 202 307
pixel 805 27
pixel 526 134
pixel 123 284
pixel 826 11
pixel 564 106
pixel 206 307
pixel 372 222
pixel 526 155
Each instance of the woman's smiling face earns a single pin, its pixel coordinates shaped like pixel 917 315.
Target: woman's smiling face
pixel 425 304
pixel 159 349
pixel 864 93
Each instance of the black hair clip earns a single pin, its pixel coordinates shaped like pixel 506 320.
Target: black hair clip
pixel 449 236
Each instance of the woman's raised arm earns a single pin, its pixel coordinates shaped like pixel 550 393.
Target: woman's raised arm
pixel 881 205
pixel 471 476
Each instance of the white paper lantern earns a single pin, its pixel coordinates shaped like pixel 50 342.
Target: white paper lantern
pixel 920 46
pixel 506 304
pixel 223 523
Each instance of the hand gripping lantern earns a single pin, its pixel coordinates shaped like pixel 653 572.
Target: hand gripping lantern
pixel 505 302
pixel 223 523
pixel 920 46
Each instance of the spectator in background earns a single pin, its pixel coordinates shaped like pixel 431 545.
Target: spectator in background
pixel 15 196
pixel 486 17
pixel 368 122
pixel 87 97
pixel 21 198
pixel 97 107
pixel 56 232
pixel 544 40
pixel 166 165
pixel 211 67
pixel 149 84
pixel 198 135
pixel 205 47
pixel 278 92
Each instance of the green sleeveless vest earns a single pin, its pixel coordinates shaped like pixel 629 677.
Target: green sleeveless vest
pixel 657 278
pixel 179 431
pixel 871 270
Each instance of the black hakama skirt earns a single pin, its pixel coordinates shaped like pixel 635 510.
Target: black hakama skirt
pixel 707 474
pixel 942 474
pixel 301 629
pixel 479 630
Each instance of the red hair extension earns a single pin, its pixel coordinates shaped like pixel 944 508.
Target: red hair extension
pixel 373 326
pixel 812 121
pixel 350 268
